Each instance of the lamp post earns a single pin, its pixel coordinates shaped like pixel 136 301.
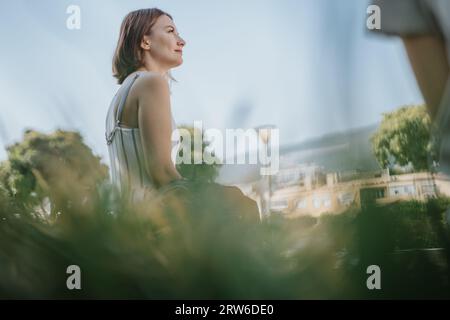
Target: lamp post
pixel 264 133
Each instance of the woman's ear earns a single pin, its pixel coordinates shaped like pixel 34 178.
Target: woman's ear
pixel 145 43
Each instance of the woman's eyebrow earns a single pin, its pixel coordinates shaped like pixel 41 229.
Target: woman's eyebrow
pixel 170 26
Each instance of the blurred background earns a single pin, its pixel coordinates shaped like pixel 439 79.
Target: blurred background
pixel 354 188
pixel 308 67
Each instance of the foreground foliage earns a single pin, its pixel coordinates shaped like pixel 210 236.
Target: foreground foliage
pixel 201 242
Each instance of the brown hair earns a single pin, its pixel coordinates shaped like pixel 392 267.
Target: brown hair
pixel 128 54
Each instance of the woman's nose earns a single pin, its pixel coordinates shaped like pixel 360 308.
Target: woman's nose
pixel 181 42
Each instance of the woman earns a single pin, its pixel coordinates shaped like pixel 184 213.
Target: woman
pixel 139 122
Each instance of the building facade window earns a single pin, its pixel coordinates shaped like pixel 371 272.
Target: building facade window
pixel 278 205
pixel 322 200
pixel 428 190
pixel 316 202
pixel 301 204
pixel 404 190
pixel 346 198
pixel 369 195
pixel 326 200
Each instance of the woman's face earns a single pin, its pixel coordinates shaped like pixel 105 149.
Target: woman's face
pixel 165 44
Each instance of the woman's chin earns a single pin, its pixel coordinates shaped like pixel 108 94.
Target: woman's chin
pixel 173 63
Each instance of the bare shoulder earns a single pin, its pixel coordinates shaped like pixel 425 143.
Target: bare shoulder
pixel 150 82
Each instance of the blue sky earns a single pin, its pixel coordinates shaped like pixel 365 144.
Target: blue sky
pixel 306 66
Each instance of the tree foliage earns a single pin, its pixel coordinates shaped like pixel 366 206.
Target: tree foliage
pixel 50 166
pixel 200 172
pixel 403 138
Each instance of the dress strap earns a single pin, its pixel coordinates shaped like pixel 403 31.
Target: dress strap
pixel 123 100
pixel 118 113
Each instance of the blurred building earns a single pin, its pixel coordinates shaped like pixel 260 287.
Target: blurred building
pixel 309 190
pixel 331 174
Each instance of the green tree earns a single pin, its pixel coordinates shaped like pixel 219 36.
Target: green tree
pixel 403 138
pixel 203 172
pixel 50 166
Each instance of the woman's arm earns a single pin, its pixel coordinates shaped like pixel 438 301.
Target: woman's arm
pixel 428 58
pixel 155 125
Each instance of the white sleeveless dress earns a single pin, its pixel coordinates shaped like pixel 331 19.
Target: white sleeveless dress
pixel 128 171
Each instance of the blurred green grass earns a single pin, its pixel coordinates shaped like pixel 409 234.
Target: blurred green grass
pixel 198 243
pixel 198 250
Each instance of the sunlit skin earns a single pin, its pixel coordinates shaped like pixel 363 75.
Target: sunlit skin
pixel 428 58
pixel 148 103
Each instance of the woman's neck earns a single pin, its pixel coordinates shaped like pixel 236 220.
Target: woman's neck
pixel 150 65
pixel 165 74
